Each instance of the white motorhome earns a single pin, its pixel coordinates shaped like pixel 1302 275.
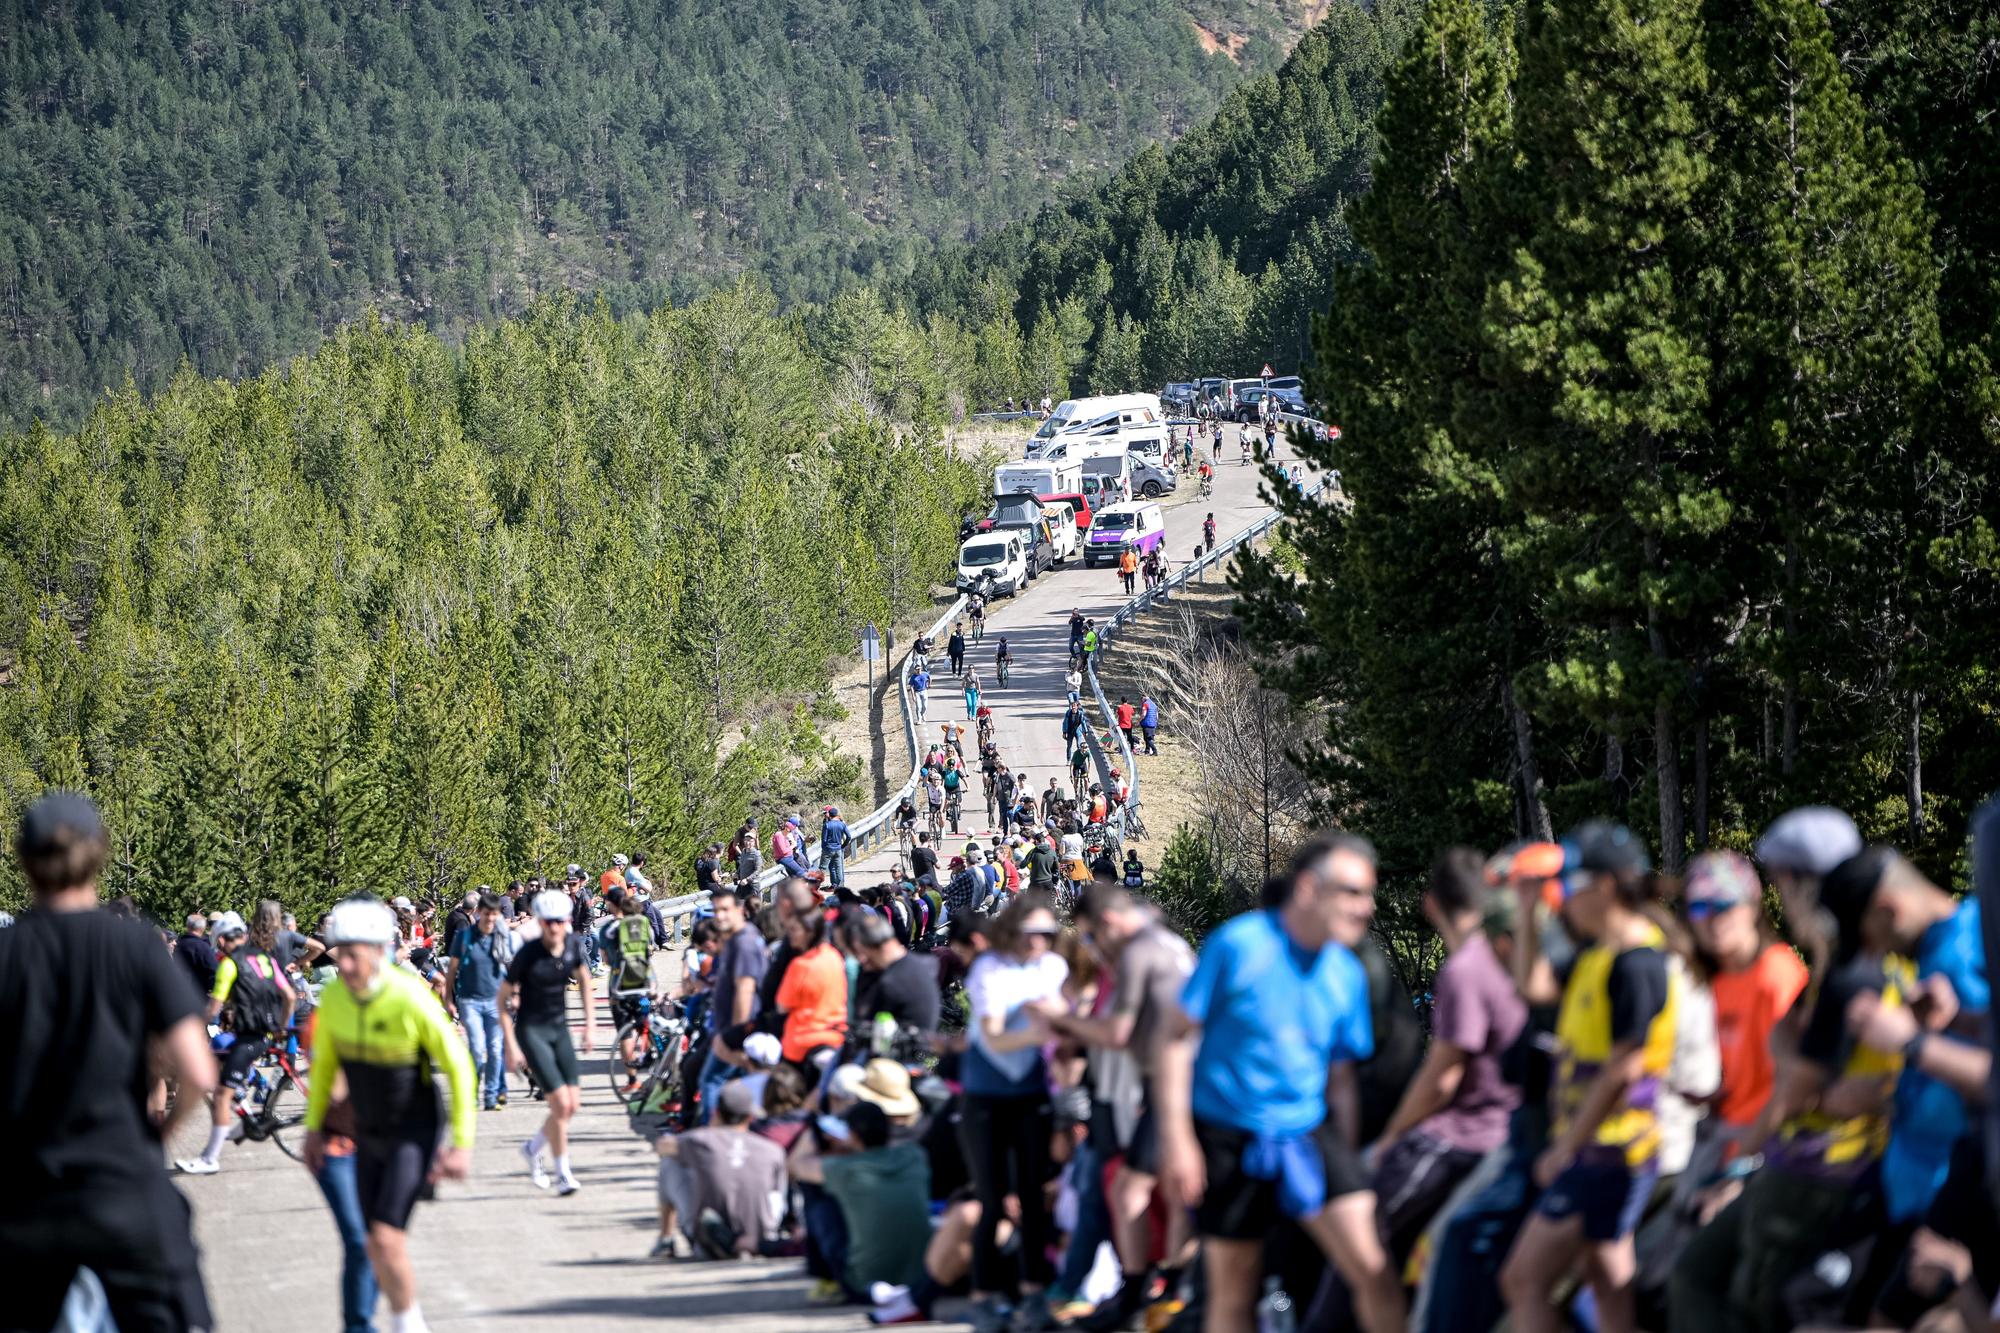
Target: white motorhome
pixel 1103 415
pixel 1050 476
pixel 1073 449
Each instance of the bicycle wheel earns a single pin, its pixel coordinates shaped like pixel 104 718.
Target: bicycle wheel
pixel 283 1117
pixel 616 1072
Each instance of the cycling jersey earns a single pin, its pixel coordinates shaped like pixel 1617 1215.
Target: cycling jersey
pixel 253 987
pixel 389 1043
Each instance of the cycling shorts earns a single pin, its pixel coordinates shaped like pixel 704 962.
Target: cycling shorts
pixel 242 1057
pixel 391 1175
pixel 550 1056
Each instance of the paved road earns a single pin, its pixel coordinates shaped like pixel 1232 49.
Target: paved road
pixel 1028 713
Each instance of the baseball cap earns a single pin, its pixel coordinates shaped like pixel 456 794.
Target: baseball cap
pixel 846 1083
pixel 740 1100
pixel 1810 840
pixel 552 905
pixel 1723 879
pixel 227 923
pixel 1600 847
pixel 1849 888
pixel 43 824
pixel 762 1048
pixel 401 904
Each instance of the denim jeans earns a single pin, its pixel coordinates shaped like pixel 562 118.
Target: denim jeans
pixel 1465 1287
pixel 489 1048
pixel 794 864
pixel 590 946
pixel 714 1073
pixel 357 1277
pixel 1093 1218
pixel 836 868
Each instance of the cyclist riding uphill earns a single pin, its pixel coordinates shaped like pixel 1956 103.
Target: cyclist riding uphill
pixel 385 1030
pixel 250 987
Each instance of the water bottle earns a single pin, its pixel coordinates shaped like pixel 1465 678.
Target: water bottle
pixel 1274 1312
pixel 885 1035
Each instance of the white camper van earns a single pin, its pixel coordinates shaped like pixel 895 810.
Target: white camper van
pixel 1092 416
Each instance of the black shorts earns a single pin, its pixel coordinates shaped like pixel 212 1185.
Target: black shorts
pixel 241 1057
pixel 391 1175
pixel 1142 1152
pixel 1236 1206
pixel 551 1058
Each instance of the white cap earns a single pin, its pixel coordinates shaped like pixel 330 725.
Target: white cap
pixel 402 904
pixel 359 922
pixel 761 1048
pixel 553 905
pixel 846 1083
pixel 1811 840
pixel 227 923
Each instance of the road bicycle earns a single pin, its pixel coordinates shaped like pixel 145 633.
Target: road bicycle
pixel 649 1040
pixel 954 803
pixel 936 818
pixel 273 1104
pixel 1001 671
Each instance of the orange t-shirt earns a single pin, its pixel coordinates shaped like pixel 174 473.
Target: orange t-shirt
pixel 813 996
pixel 1748 1004
pixel 1128 563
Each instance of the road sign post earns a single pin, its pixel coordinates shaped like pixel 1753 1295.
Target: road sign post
pixel 871 648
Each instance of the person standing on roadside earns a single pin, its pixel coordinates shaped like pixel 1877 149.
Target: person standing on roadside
pixel 1265 1038
pixel 1128 569
pixel 954 649
pixel 920 684
pixel 1149 722
pixel 1128 717
pixel 835 843
pixel 89 999
pixel 195 954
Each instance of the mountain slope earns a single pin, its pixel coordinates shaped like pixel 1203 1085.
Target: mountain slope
pixel 226 182
pixel 1209 255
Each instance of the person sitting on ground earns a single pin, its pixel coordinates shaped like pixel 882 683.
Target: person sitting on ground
pixel 721 1186
pixel 882 1190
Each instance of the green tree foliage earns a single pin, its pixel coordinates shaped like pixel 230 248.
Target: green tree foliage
pixel 400 618
pixel 1670 488
pixel 226 184
pixel 1218 249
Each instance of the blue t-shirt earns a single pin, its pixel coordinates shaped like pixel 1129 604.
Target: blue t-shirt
pixel 1274 1016
pixel 1929 1116
pixel 920 682
pixel 833 837
pixel 481 962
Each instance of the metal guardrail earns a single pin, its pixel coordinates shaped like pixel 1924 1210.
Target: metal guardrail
pixel 866 833
pixel 1193 571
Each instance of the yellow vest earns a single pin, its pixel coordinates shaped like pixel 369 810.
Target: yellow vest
pixel 1583 1042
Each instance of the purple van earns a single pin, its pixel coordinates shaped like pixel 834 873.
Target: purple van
pixel 1117 528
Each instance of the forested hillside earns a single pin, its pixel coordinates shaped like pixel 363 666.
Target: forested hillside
pixel 228 183
pixel 1209 255
pixel 400 617
pixel 1672 432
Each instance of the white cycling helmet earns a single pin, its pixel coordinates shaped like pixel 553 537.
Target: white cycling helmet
pixel 224 924
pixel 553 905
pixel 360 922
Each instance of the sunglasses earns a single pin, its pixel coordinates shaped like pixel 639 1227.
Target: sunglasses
pixel 1701 909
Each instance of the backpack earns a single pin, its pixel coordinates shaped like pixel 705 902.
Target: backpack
pixel 635 952
pixel 257 998
pixel 951 779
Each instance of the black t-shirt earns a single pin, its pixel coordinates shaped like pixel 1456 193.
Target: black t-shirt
pixel 774 976
pixel 543 981
pixel 906 990
pixel 197 958
pixel 289 947
pixel 82 992
pixel 457 921
pixel 923 861
pixel 706 868
pixel 1637 984
pixel 1825 1040
pixel 1399 1041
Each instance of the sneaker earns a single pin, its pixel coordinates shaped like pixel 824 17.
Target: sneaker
pixel 1161 1314
pixel 902 1310
pixel 886 1293
pixel 1122 1311
pixel 717 1241
pixel 1032 1315
pixel 197 1166
pixel 536 1171
pixel 991 1315
pixel 490 1106
pixel 825 1291
pixel 675 1246
pixel 500 1099
pixel 567 1185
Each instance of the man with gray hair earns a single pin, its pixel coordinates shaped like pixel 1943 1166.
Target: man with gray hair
pixel 195 954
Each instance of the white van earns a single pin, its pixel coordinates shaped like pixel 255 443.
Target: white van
pixel 1103 415
pixel 1073 449
pixel 1001 554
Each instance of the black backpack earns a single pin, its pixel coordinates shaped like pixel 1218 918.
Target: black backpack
pixel 257 997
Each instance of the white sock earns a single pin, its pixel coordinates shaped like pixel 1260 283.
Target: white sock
pixel 537 1143
pixel 408 1321
pixel 217 1136
pixel 562 1167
